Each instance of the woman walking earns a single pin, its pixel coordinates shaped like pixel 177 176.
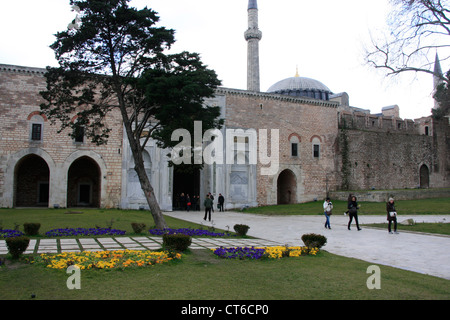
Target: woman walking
pixel 391 215
pixel 353 212
pixel 327 210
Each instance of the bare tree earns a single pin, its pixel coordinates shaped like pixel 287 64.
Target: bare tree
pixel 417 30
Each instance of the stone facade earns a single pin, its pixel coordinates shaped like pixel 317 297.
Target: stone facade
pixel 392 153
pixel 38 166
pixel 44 168
pixel 276 148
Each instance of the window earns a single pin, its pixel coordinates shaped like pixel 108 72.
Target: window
pixel 36 132
pixel 294 139
pixel 316 142
pixel 316 151
pixel 79 134
pixel 36 127
pixel 294 149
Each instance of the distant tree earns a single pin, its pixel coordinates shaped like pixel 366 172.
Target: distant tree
pixel 417 29
pixel 442 96
pixel 112 57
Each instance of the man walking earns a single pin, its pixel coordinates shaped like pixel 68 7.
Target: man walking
pixel 208 205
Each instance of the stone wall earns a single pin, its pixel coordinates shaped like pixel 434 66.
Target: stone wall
pixel 310 121
pixel 19 108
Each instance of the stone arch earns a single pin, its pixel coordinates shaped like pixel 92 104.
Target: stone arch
pixel 424 176
pixel 286 187
pixel 83 183
pixel 31 182
pixel 9 194
pixel 86 187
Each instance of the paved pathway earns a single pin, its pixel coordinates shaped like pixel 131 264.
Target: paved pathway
pixel 424 253
pixel 132 243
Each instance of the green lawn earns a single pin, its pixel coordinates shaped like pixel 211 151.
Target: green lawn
pixel 89 218
pixel 201 275
pixel 438 228
pixel 405 207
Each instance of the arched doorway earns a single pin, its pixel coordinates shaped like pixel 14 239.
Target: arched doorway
pixel 424 177
pixel 31 176
pixel 186 181
pixel 83 185
pixel 286 187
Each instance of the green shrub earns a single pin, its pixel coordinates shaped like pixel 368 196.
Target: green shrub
pixel 17 245
pixel 241 229
pixel 312 240
pixel 31 229
pixel 178 242
pixel 138 227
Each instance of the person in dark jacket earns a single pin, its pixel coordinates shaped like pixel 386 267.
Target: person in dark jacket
pixel 353 212
pixel 391 215
pixel 208 203
pixel 221 201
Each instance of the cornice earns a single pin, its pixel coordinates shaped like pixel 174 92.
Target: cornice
pixel 280 97
pixel 21 69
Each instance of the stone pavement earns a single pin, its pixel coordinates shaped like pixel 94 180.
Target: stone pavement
pixel 132 243
pixel 423 253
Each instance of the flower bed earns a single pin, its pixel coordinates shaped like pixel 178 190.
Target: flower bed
pixel 7 233
pixel 189 232
pixel 118 259
pixel 71 232
pixel 263 252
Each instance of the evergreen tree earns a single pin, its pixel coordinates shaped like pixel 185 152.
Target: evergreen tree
pixel 113 57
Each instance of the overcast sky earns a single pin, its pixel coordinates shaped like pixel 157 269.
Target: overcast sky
pixel 324 38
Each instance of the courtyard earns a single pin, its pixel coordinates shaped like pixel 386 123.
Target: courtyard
pixel 414 265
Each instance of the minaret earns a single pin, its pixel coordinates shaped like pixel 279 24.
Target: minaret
pixel 253 35
pixel 437 77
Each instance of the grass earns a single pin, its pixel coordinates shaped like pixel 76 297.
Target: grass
pixel 404 207
pixel 437 228
pixel 202 276
pixel 89 218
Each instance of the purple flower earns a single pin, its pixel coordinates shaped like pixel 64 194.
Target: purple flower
pixel 239 253
pixel 189 232
pixel 70 232
pixel 7 233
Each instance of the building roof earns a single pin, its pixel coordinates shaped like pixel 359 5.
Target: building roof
pixel 301 86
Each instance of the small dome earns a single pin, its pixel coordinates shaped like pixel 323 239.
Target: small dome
pixel 301 87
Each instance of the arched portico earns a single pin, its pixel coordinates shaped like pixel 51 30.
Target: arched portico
pixel 286 187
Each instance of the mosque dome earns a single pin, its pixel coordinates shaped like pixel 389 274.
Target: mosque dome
pixel 301 87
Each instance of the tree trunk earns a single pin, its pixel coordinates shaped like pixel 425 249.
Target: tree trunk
pixel 140 170
pixel 149 194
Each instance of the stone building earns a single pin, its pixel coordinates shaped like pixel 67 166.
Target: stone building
pixel 40 167
pixel 292 144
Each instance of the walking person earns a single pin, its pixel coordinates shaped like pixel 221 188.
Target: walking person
pixel 349 199
pixel 391 215
pixel 221 201
pixel 353 212
pixel 212 200
pixel 208 205
pixel 327 210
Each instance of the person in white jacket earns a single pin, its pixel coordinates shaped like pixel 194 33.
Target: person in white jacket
pixel 327 210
